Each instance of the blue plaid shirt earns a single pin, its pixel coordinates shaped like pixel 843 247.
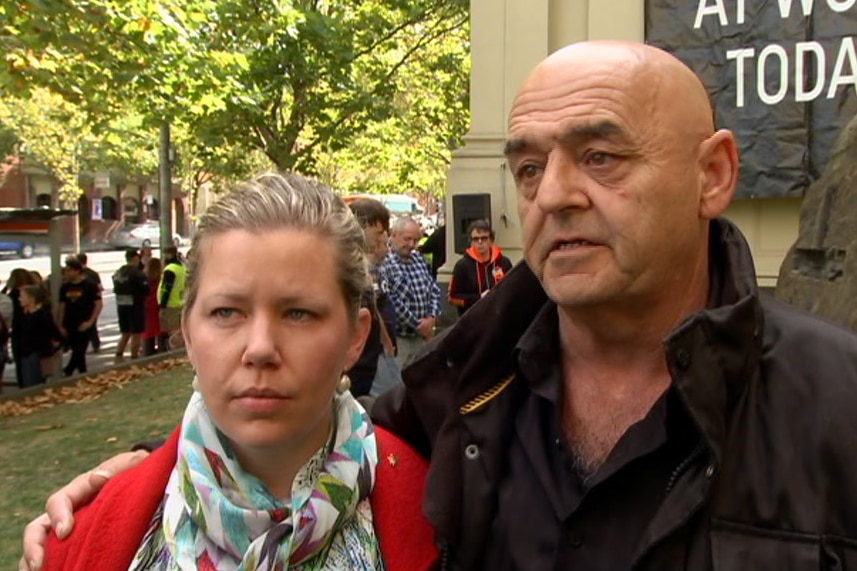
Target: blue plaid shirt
pixel 412 290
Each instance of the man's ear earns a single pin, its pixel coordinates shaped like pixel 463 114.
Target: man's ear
pixel 358 337
pixel 718 163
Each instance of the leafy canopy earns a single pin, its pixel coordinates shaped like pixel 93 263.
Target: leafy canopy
pixel 371 85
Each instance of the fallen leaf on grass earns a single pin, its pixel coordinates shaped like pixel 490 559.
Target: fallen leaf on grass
pixel 87 389
pixel 49 427
pixel 112 439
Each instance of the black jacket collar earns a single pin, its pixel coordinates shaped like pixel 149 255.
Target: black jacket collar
pixel 711 357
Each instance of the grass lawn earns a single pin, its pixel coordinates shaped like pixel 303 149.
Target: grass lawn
pixel 42 451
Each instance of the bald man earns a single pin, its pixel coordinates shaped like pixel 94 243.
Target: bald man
pixel 626 399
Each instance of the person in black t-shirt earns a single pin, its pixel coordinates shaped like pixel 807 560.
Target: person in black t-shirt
pixel 131 287
pixel 92 275
pixel 80 304
pixel 40 336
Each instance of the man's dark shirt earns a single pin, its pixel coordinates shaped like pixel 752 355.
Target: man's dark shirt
pixel 362 373
pixel 549 516
pixel 130 286
pixel 92 276
pixel 436 246
pixel 384 303
pixel 79 299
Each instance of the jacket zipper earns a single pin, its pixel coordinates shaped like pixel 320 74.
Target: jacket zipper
pixel 483 398
pixel 684 465
pixel 444 555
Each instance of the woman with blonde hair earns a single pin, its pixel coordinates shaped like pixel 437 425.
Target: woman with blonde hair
pixel 275 465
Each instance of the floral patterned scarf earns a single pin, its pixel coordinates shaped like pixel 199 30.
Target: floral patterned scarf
pixel 216 516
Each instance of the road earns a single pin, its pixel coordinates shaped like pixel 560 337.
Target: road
pixel 105 263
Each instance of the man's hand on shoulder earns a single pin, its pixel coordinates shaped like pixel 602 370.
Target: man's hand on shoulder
pixel 60 506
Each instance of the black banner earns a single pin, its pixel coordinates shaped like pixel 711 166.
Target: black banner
pixel 782 75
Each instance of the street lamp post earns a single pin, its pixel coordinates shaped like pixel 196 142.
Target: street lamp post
pixel 166 188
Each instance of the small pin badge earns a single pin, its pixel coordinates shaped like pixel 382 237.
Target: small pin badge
pixel 391 458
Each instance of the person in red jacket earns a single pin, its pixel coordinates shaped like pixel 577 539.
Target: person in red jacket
pixel 275 465
pixel 154 341
pixel 481 268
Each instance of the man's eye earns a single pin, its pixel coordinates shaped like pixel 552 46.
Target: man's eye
pixel 526 171
pixel 598 158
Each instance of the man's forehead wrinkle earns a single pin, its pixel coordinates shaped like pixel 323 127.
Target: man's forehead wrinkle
pixel 592 112
pixel 650 94
pixel 537 106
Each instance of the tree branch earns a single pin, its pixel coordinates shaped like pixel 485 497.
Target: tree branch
pixel 425 39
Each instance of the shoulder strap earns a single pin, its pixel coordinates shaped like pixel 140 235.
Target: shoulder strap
pixel 405 535
pixel 386 339
pixel 4 329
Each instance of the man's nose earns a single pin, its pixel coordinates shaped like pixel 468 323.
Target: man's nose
pixel 563 185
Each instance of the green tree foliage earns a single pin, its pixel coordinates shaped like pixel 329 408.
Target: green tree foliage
pixel 105 55
pixel 9 144
pixel 410 150
pixel 209 161
pixel 324 77
pixel 373 85
pixel 50 132
pixel 126 144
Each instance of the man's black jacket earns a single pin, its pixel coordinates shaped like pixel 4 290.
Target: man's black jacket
pixel 772 391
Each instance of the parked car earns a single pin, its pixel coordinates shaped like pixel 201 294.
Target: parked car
pixel 401 204
pixel 20 249
pixel 140 235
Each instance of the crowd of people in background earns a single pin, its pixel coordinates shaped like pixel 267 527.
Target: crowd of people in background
pixel 33 336
pixel 149 294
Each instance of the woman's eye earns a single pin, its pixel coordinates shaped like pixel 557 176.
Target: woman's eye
pixel 223 312
pixel 298 314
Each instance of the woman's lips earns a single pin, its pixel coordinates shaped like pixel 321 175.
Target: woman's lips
pixel 261 400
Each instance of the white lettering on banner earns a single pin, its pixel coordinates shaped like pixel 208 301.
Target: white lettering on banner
pixel 703 9
pixel 802 51
pixel 846 50
pixel 786 7
pixel 841 5
pixel 718 8
pixel 739 56
pixel 761 74
pixel 844 71
pixel 807 5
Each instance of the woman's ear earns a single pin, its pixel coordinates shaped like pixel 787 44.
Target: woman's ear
pixel 358 337
pixel 185 333
pixel 718 162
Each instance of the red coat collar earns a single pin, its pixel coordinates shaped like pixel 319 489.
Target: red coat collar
pixel 108 532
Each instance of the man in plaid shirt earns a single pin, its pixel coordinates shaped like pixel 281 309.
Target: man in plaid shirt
pixel 412 289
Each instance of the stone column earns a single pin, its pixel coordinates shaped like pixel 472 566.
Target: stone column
pixel 508 37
